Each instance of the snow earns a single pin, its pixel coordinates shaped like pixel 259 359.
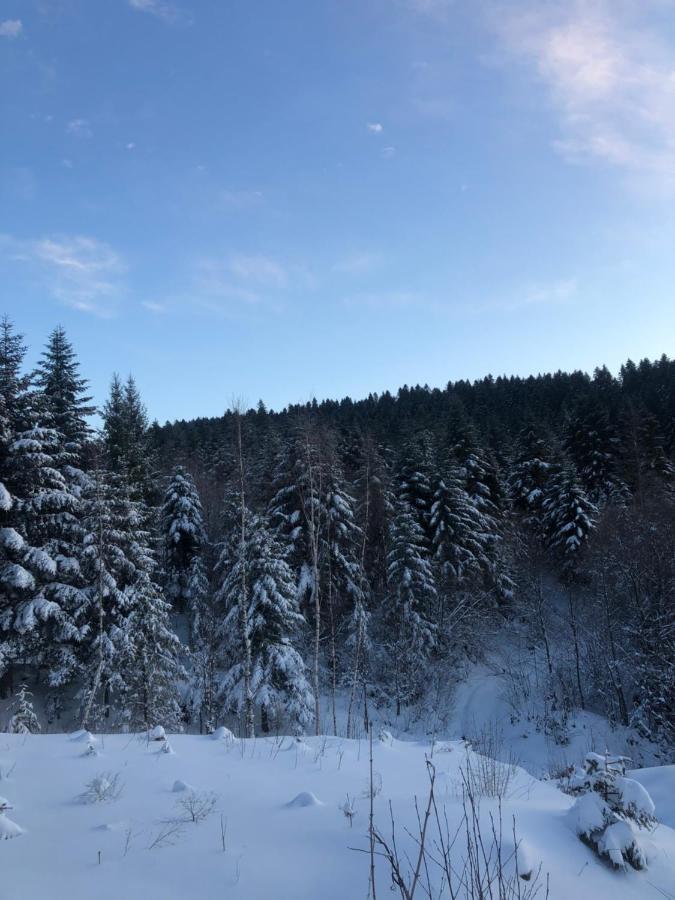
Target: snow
pixel 8 829
pixel 157 733
pixel 659 781
pixel 303 799
pixel 616 840
pixel 5 498
pixel 281 841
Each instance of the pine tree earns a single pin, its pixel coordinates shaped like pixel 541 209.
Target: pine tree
pixel 278 677
pixel 184 543
pixel 530 472
pixel 23 719
pixel 414 477
pixel 152 660
pixel 410 604
pixel 58 379
pixel 569 516
pixel 125 428
pixel 594 447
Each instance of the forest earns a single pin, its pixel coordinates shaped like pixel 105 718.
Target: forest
pixel 291 571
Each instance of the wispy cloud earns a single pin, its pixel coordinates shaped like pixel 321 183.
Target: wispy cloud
pixel 609 76
pixel 534 294
pixel 79 271
pixel 11 28
pixel 153 307
pixel 358 263
pixel 79 128
pixel 167 12
pixel 388 152
pixel 375 127
pixel 258 269
pixel 387 300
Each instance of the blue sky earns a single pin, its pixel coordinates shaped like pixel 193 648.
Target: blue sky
pixel 256 199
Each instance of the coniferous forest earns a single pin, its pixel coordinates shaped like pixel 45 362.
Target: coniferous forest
pixel 292 571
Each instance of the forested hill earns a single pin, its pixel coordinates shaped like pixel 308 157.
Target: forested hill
pixel 342 554
pixel 641 399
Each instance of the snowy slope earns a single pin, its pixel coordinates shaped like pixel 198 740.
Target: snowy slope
pixel 275 849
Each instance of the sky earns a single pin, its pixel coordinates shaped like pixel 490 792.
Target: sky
pixel 273 200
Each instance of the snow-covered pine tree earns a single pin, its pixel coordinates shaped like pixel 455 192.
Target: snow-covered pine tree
pixel 342 573
pixel 64 390
pixel 52 618
pixel 569 517
pixel 278 676
pixel 184 543
pixel 414 477
pixel 23 719
pixel 152 660
pixel 298 516
pixel 411 600
pixel 530 472
pixel 594 446
pixel 462 539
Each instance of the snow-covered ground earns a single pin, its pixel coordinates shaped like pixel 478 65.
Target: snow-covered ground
pixel 276 808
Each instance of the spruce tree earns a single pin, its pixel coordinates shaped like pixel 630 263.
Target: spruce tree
pixel 183 544
pixel 23 719
pixel 64 389
pixel 278 675
pixel 410 605
pixel 569 516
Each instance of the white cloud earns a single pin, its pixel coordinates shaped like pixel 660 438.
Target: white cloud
pixel 151 306
pixel 79 128
pixel 387 300
pixel 609 75
pixel 375 127
pixel 11 28
pixel 358 263
pixel 79 271
pixel 167 12
pixel 388 152
pixel 258 269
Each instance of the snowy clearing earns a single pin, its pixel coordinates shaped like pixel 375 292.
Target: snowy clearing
pixel 268 818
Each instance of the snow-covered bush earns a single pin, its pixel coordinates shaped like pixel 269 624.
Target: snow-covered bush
pixel 23 720
pixel 102 788
pixel 608 809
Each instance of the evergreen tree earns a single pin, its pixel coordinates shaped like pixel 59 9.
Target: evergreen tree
pixel 23 719
pixel 184 543
pixel 414 477
pixel 410 604
pixel 58 379
pixel 152 661
pixel 569 516
pixel 279 682
pixel 594 447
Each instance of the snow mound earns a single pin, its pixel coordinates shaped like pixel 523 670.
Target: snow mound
pixel 304 799
pixel 157 733
pixel 8 829
pixel 83 737
pixel 385 737
pixel 223 734
pixel 635 797
pixel 589 814
pixel 4 804
pixel 180 786
pixel 618 842
pixel 111 826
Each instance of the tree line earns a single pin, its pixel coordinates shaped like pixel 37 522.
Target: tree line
pixel 328 558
